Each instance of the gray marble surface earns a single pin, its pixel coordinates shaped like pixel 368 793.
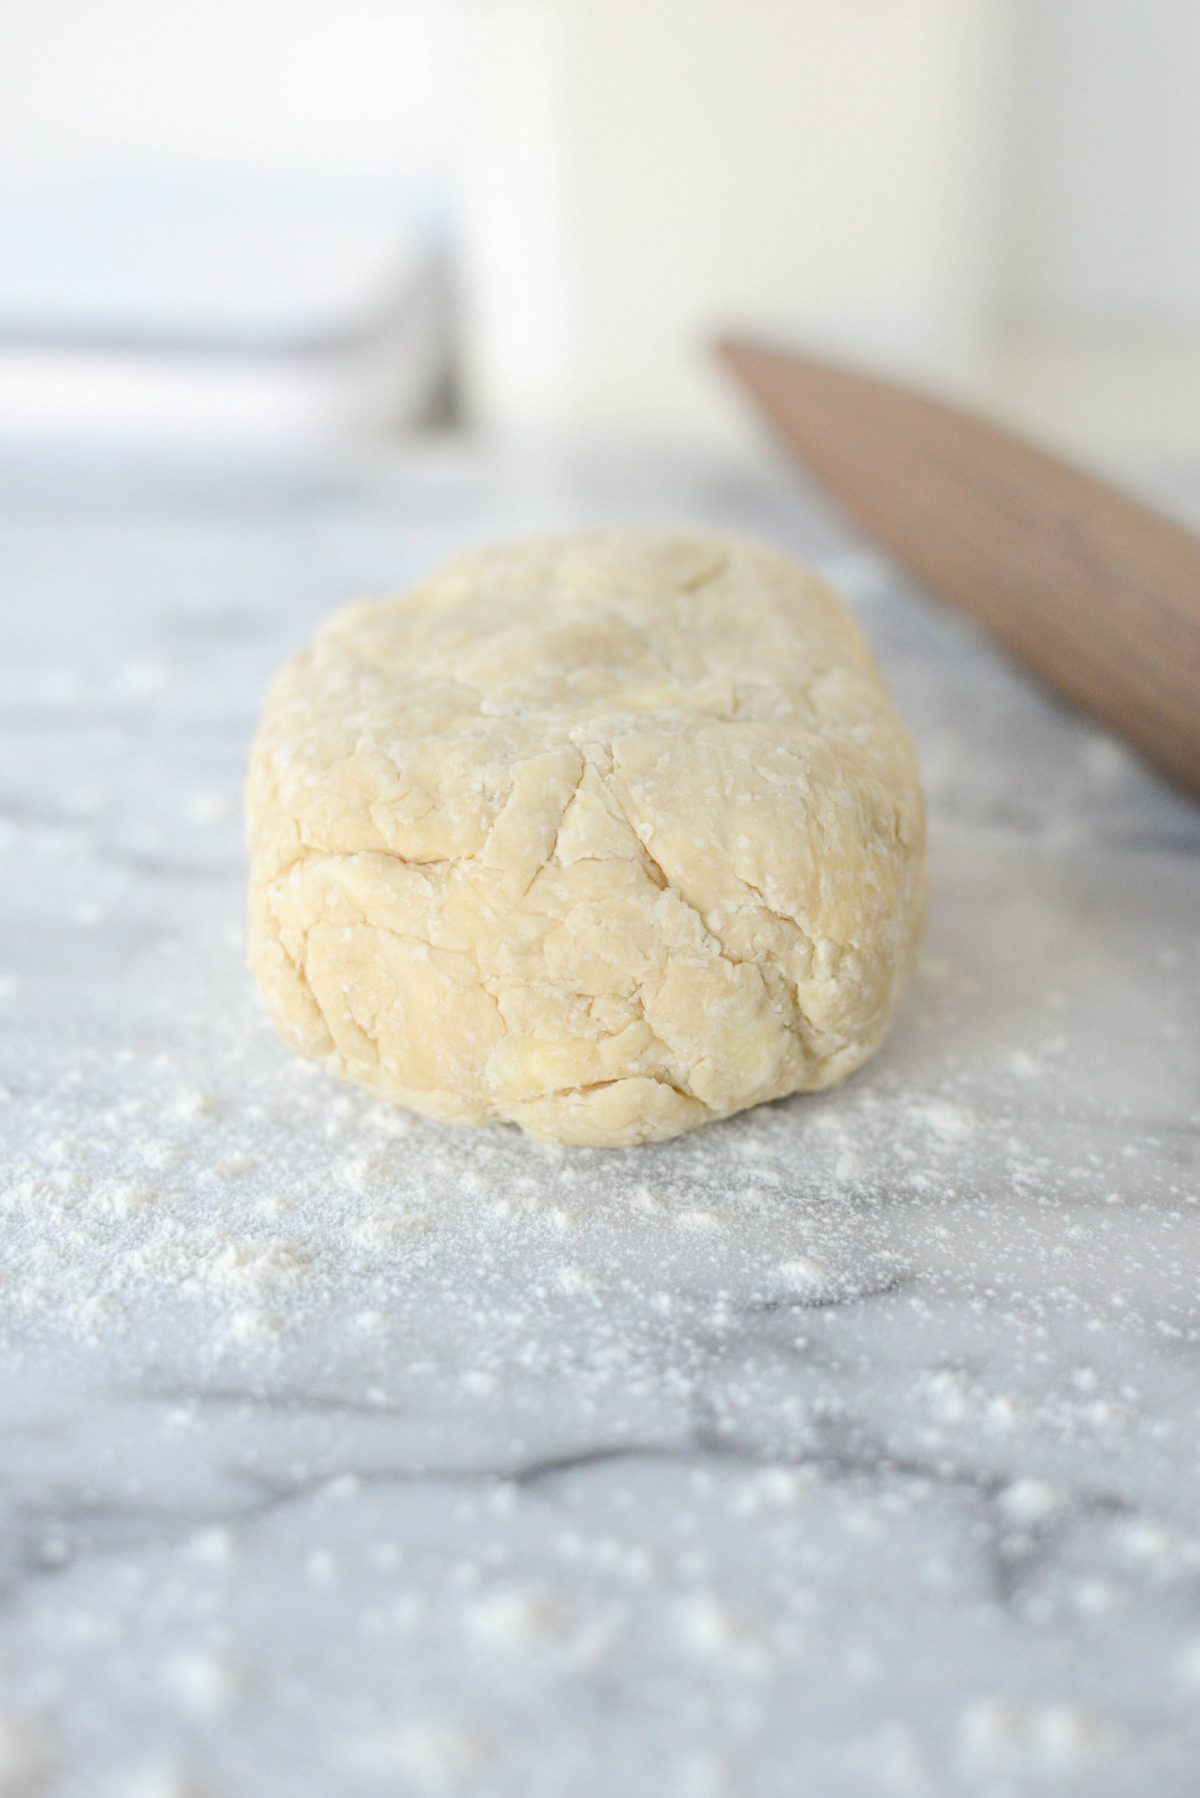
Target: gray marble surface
pixel 849 1447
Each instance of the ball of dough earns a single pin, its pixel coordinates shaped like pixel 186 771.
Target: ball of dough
pixel 603 835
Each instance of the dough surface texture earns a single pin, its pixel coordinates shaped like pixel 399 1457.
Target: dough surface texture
pixel 605 835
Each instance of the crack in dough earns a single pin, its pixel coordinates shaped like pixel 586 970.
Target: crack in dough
pixel 606 836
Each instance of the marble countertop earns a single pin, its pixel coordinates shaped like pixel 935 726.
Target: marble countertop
pixel 849 1447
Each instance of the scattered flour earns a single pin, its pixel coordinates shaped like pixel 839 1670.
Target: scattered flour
pixel 160 1782
pixel 25 1755
pixel 434 1756
pixel 950 1122
pixel 203 1684
pixel 711 1628
pixel 1028 1502
pixel 517 1621
pixel 1002 1736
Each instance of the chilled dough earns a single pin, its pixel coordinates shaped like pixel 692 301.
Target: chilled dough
pixel 605 835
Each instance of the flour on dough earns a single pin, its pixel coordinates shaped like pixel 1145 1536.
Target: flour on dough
pixel 603 835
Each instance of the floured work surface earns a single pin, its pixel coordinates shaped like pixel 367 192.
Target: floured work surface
pixel 847 1445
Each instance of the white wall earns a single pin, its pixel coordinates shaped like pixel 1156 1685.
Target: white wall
pixel 1001 197
pixel 1098 338
pixel 1106 167
pixel 325 88
pixel 636 176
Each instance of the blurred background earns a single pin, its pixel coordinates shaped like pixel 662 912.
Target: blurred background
pixel 302 225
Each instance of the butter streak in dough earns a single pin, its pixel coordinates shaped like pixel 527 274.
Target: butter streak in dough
pixel 605 835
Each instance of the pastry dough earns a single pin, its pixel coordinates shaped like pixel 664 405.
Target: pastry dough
pixel 604 835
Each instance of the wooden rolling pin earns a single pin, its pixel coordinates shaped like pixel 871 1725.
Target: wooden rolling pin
pixel 1097 594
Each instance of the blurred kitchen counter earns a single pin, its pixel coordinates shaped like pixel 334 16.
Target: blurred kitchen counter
pixel 848 1446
